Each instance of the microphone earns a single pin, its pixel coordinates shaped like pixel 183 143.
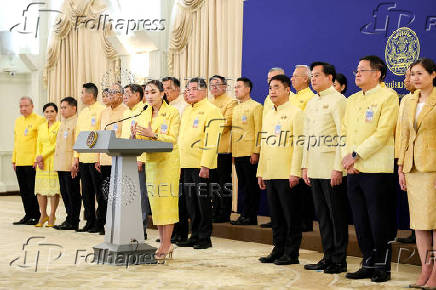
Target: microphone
pixel 122 120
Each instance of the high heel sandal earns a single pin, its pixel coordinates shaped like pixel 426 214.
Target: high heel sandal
pixel 162 257
pixel 40 224
pixel 51 225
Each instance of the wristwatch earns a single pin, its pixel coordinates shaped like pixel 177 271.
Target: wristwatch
pixel 155 136
pixel 354 155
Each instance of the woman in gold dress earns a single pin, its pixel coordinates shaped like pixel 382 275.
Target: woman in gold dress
pixel 46 179
pixel 161 122
pixel 417 164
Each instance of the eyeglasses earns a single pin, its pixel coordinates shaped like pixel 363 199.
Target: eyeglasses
pixel 355 72
pixel 114 92
pixel 194 89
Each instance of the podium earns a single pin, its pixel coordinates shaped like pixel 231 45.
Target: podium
pixel 124 234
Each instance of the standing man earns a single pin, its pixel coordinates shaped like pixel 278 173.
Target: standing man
pixel 223 200
pixel 246 125
pixel 89 120
pixel 369 125
pixel 69 181
pixel 322 168
pixel 133 98
pixel 199 136
pixel 279 171
pixel 300 81
pixel 23 157
pixel 172 90
pixel 112 113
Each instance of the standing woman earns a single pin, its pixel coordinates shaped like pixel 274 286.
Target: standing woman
pixel 46 179
pixel 161 122
pixel 417 164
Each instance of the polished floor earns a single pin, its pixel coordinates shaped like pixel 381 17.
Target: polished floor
pixel 44 258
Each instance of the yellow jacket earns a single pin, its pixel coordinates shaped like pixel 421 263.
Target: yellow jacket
pixel 398 126
pixel 125 131
pixel 280 152
pixel 46 143
pixel 88 120
pixel 268 104
pixel 322 152
pixel 369 124
pixel 109 115
pixel 63 156
pixel 418 143
pixel 301 98
pixel 225 103
pixel 200 130
pixel 246 125
pixel 25 134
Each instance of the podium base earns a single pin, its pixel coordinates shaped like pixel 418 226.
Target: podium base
pixel 124 255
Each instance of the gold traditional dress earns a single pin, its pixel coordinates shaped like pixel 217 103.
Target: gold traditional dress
pixel 46 179
pixel 163 168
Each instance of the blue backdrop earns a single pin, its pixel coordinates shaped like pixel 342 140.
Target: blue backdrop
pixel 285 33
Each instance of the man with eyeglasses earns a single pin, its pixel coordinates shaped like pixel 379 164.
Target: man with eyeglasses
pixel 369 124
pixel 133 98
pixel 112 113
pixel 222 201
pixel 279 171
pixel 200 129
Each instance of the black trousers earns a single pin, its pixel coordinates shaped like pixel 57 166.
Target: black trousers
pixel 199 203
pixel 70 192
pixel 372 201
pixel 91 190
pixel 222 198
pixel 285 210
pixel 105 185
pixel 248 181
pixel 181 228
pixel 145 203
pixel 308 215
pixel 331 209
pixel 26 182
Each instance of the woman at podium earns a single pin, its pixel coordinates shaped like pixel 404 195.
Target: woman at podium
pixel 161 122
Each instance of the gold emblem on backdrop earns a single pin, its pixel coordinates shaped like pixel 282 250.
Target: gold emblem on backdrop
pixel 402 48
pixel 92 139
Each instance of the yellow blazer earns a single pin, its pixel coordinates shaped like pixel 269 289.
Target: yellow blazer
pixel 418 144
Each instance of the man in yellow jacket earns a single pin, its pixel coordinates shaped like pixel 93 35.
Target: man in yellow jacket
pixel 200 129
pixel 369 124
pixel 279 171
pixel 222 201
pixel 89 120
pixel 23 157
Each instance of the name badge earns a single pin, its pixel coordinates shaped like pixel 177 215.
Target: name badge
pixel 278 129
pixel 93 121
pixel 26 131
pixel 115 127
pixel 244 119
pixel 369 115
pixel 195 125
pixel 164 128
pixel 65 134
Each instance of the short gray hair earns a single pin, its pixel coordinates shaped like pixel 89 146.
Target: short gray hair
pixel 308 72
pixel 279 69
pixel 27 98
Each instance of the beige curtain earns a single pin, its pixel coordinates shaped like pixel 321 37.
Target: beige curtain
pixel 206 39
pixel 78 54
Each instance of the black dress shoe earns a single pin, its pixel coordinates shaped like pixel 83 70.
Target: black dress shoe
pixel 270 258
pixel 22 221
pixel 32 221
pixel 66 227
pixel 203 245
pixel 286 260
pixel 409 240
pixel 362 273
pixel 267 225
pixel 242 221
pixel 56 227
pixel 381 276
pixel 157 240
pixel 177 239
pixel 187 243
pixel 321 265
pixel 95 229
pixel 335 268
pixel 85 228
